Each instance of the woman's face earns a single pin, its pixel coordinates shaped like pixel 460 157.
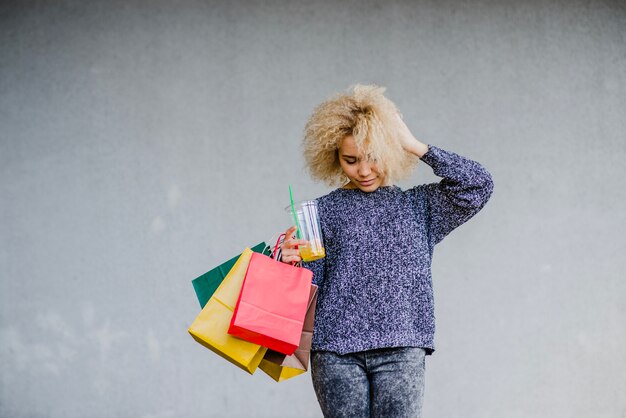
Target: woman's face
pixel 362 173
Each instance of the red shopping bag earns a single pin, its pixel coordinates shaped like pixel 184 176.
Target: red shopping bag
pixel 272 304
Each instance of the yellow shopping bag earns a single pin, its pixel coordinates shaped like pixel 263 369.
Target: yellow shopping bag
pixel 210 328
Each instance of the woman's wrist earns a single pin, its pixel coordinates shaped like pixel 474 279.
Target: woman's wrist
pixel 418 148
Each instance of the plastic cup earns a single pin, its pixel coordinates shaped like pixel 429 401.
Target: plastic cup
pixel 309 230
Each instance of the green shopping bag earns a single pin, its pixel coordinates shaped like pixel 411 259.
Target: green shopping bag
pixel 208 283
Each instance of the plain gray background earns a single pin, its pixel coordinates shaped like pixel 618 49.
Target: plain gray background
pixel 144 142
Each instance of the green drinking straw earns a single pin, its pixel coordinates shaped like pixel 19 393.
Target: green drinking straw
pixel 293 212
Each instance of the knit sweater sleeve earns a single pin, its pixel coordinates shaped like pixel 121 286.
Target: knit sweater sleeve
pixel 464 190
pixel 317 267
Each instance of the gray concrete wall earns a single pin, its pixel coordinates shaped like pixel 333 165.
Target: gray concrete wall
pixel 144 142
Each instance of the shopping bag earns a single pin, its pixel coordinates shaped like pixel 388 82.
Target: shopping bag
pixel 281 367
pixel 272 304
pixel 210 328
pixel 207 284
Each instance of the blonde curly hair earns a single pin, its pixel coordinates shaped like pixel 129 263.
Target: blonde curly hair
pixel 366 114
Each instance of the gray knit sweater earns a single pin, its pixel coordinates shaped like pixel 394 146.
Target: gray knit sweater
pixel 375 285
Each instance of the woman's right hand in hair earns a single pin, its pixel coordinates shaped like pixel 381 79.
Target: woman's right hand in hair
pixel 289 251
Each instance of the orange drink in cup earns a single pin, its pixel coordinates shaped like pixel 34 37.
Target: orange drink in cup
pixel 309 229
pixel 312 252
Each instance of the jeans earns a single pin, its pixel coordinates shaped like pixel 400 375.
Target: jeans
pixel 386 382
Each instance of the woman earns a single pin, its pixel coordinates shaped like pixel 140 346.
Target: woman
pixel 374 321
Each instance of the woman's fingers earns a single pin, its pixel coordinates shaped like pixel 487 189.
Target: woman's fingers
pixel 290 258
pixel 294 243
pixel 290 253
pixel 290 241
pixel 289 233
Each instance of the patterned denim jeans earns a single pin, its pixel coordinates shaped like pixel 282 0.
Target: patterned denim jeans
pixel 386 382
